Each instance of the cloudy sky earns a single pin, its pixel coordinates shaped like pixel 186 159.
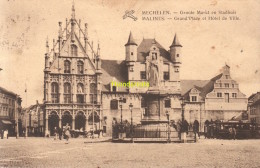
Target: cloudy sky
pixel 207 45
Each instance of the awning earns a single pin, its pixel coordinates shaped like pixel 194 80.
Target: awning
pixel 6 122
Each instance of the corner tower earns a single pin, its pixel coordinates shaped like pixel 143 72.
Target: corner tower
pixel 175 50
pixel 131 49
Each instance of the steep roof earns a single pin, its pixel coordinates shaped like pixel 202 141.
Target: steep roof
pixel 144 49
pixel 175 42
pixel 209 86
pixel 131 40
pixel 116 69
pixel 187 85
pixel 7 91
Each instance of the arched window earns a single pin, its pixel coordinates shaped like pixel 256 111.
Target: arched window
pixel 114 104
pixel 93 93
pixel 66 66
pixel 54 93
pixel 67 93
pixel 80 66
pixel 74 50
pixel 80 93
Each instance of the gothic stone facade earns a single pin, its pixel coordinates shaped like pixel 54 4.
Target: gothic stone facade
pixel 72 84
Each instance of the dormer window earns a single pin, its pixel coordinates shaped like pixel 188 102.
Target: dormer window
pixel 113 88
pixel 66 66
pixel 194 98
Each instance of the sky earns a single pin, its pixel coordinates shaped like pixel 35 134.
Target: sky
pixel 207 45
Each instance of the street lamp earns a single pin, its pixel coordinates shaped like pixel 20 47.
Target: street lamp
pixel 131 109
pixel 182 110
pixel 168 118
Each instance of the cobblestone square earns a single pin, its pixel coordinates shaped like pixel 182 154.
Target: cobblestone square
pixel 46 152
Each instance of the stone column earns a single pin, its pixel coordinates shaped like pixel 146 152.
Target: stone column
pixel 60 125
pixel 61 90
pixel 86 123
pixel 73 121
pixel 46 125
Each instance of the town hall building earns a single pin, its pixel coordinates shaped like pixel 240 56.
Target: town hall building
pixel 79 90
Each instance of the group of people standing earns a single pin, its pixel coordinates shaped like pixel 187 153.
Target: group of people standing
pixel 59 132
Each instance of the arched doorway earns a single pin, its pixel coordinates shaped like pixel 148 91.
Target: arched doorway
pixel 96 119
pixel 66 119
pixel 80 121
pixel 53 122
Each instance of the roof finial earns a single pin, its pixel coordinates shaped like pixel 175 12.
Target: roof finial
pixel 47 45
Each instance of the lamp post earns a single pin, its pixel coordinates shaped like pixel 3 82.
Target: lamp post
pixel 183 133
pixel 120 105
pixel 131 109
pixel 168 118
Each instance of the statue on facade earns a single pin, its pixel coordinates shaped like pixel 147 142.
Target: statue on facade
pixel 153 71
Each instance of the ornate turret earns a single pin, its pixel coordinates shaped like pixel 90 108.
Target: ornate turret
pixel 175 50
pixel 131 49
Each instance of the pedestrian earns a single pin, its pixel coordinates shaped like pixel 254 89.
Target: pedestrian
pixel 55 133
pixel 234 132
pixel 60 133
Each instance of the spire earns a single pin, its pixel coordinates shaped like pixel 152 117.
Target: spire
pixel 73 11
pixel 130 40
pixel 176 42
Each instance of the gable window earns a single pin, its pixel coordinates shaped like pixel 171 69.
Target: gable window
pixel 54 93
pixel 142 75
pixel 226 85
pixel 114 104
pixel 93 93
pixel 166 76
pixel 74 50
pixel 194 98
pixel 67 93
pixel 234 95
pixel 167 103
pixel 220 85
pixel 66 66
pixel 219 94
pixel 226 76
pixel 80 66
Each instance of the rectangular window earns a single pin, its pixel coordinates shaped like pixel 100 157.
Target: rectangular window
pixel 132 53
pixel 219 94
pixel 167 103
pixel 226 85
pixel 166 76
pixel 114 104
pixel 131 69
pixel 176 69
pixel 143 75
pixel 193 98
pixel 54 98
pixel 226 97
pixel 233 85
pixel 234 95
pixel 220 85
pixel 80 98
pixel 67 98
pixel 226 76
pixel 143 103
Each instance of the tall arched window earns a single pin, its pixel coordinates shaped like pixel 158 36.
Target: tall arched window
pixel 54 93
pixel 67 93
pixel 93 93
pixel 66 66
pixel 74 50
pixel 80 66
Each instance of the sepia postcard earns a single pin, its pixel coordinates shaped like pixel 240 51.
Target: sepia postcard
pixel 137 83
